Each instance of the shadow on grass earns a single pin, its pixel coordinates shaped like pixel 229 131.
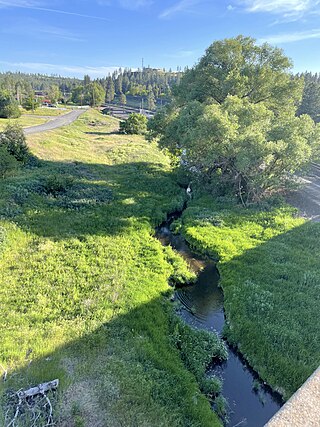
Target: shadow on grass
pixel 125 373
pixel 272 300
pixel 94 199
pixel 102 133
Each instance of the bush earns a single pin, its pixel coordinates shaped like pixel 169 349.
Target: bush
pixel 55 184
pixel 7 162
pixel 14 140
pixel 9 108
pixel 136 124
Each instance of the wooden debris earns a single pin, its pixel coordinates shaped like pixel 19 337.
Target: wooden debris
pixel 40 389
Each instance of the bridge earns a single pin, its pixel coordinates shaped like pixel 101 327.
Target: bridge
pixel 122 111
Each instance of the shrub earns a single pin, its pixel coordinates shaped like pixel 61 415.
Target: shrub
pixel 9 108
pixel 55 184
pixel 135 124
pixel 7 162
pixel 14 140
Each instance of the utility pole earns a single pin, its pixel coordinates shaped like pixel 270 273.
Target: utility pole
pixel 142 64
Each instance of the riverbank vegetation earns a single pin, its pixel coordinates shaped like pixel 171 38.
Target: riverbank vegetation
pixel 234 134
pixel 233 125
pixel 85 295
pixel 269 267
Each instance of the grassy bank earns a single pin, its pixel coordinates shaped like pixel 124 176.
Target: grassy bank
pixel 24 121
pixel 269 266
pixel 84 284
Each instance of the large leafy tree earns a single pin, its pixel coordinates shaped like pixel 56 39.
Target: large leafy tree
pixel 233 124
pixel 240 67
pixel 54 93
pixel 94 94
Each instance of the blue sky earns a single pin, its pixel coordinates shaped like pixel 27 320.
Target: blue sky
pixel 78 37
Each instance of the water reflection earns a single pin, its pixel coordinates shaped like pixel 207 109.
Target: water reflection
pixel 251 403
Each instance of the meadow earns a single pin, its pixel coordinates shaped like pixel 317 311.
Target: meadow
pixel 268 259
pixel 84 293
pixel 34 118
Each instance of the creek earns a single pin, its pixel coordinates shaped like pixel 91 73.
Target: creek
pixel 251 403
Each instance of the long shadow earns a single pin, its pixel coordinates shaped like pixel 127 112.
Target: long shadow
pixel 102 133
pixel 104 383
pixel 272 303
pixel 61 200
pixel 95 369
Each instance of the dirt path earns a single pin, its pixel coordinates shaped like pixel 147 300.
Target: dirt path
pixel 307 199
pixel 56 122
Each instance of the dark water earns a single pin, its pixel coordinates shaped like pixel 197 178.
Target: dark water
pixel 203 308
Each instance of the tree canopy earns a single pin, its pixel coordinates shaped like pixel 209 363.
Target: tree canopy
pixel 9 108
pixel 240 67
pixel 233 125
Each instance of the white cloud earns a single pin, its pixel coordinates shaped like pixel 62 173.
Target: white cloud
pixel 41 67
pixel 180 6
pixel 37 5
pixel 286 8
pixel 291 37
pixel 35 29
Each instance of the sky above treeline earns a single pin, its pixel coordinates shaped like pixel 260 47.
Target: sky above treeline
pixel 77 37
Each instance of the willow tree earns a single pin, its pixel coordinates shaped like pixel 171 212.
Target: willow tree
pixel 233 125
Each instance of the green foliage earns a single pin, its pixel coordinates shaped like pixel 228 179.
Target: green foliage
pixel 90 94
pixel 7 162
pixel 95 94
pixel 136 124
pixel 54 93
pixel 236 130
pixel 310 103
pixel 198 349
pixel 221 406
pixel 268 262
pixel 56 184
pixel 110 92
pixel 84 292
pixel 30 102
pixel 123 99
pixel 14 140
pixel 151 101
pixel 9 108
pixel 242 68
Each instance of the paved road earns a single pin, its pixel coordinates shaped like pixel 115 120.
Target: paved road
pixel 307 199
pixel 57 122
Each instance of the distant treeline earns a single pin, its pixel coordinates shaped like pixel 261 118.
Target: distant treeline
pixel 310 103
pixel 153 86
pixel 149 83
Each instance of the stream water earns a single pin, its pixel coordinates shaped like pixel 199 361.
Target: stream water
pixel 251 403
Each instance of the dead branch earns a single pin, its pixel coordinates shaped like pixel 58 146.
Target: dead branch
pixel 40 389
pixel 16 414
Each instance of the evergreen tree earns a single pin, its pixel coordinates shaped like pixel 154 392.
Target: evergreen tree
pixel 110 92
pixel 151 101
pixel 123 99
pixel 118 84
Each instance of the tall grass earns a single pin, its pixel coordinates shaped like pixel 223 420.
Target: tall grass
pixel 269 264
pixel 84 293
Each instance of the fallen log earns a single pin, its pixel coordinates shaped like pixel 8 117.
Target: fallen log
pixel 40 389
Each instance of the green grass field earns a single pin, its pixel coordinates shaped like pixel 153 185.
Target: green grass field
pixel 84 293
pixel 47 111
pixel 24 121
pixel 269 265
